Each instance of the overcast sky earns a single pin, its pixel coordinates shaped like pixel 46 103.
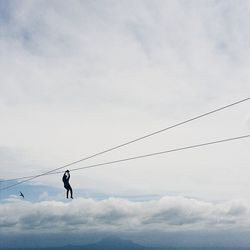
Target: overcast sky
pixel 82 76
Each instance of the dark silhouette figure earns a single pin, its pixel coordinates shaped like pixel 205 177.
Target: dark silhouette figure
pixel 67 186
pixel 21 194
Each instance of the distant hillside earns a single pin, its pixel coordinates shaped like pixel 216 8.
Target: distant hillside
pixel 119 244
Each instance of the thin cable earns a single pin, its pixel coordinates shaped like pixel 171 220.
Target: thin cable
pixel 133 141
pixel 139 157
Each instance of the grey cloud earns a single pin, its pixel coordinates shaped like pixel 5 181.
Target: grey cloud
pixel 7 223
pixel 237 209
pixel 174 216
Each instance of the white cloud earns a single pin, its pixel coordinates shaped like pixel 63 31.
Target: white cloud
pixel 169 214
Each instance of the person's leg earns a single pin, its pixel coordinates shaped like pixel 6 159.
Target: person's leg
pixel 67 194
pixel 66 190
pixel 71 192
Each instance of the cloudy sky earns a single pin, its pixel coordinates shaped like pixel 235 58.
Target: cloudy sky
pixel 82 76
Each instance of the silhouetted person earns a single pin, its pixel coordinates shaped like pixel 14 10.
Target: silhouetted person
pixel 67 186
pixel 21 194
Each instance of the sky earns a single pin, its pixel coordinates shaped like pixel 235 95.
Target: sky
pixel 82 76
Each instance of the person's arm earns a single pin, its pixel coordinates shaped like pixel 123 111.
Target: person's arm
pixel 67 175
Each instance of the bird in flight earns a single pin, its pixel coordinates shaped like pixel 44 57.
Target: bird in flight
pixel 21 194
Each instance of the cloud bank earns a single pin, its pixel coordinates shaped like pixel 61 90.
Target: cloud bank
pixel 168 214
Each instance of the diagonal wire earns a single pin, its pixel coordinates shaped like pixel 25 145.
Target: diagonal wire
pixel 133 141
pixel 139 157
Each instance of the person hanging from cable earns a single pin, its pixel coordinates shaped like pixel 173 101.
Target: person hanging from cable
pixel 67 186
